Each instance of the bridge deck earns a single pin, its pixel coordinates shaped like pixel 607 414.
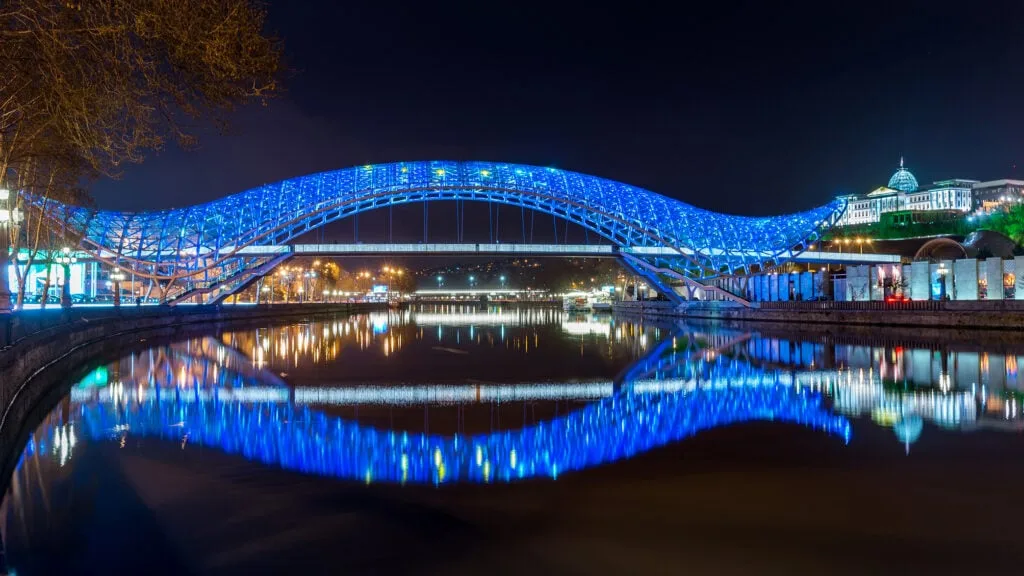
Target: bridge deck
pixel 594 250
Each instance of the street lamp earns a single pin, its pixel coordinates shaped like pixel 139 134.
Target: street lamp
pixel 117 277
pixel 502 280
pixel 440 279
pixel 66 259
pixel 472 280
pixel 8 217
pixel 942 280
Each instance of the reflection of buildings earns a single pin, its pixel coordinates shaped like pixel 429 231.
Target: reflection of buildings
pixel 211 394
pixel 953 388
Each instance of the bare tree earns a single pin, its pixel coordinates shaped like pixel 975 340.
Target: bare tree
pixel 88 85
pixel 48 176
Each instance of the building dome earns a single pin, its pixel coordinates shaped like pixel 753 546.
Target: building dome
pixel 903 180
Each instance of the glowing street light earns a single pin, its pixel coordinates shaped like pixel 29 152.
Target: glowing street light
pixel 117 276
pixel 66 259
pixel 942 280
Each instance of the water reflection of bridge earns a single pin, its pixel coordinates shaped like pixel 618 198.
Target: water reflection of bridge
pixel 861 380
pixel 208 392
pixel 620 425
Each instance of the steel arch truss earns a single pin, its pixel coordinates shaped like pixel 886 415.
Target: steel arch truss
pixel 200 240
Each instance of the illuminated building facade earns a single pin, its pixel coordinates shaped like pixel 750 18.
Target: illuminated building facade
pixel 903 194
pixel 997 194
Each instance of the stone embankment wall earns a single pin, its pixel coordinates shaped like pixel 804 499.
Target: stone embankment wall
pixel 1001 315
pixel 646 308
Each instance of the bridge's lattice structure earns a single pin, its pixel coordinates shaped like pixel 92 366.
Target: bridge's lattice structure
pixel 657 410
pixel 238 237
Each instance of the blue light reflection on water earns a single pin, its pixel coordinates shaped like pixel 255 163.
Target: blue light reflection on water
pixel 632 421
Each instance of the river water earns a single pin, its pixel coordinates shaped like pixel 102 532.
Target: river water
pixel 146 451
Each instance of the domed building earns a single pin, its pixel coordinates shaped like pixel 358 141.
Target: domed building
pixel 903 196
pixel 903 180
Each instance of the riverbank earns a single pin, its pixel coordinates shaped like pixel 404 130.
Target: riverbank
pixel 46 351
pixel 987 315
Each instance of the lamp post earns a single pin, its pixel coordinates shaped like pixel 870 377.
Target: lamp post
pixel 472 281
pixel 942 280
pixel 117 277
pixel 66 259
pixel 9 217
pixel 502 280
pixel 440 279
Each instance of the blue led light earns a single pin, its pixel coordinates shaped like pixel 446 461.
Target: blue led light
pixel 633 421
pixel 206 237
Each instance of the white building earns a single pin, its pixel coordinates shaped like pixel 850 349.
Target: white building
pixel 902 195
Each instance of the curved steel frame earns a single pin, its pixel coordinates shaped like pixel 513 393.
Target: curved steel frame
pixel 926 249
pixel 179 243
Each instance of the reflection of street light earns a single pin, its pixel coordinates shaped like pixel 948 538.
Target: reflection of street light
pixel 472 280
pixel 502 280
pixel 117 277
pixel 66 259
pixel 440 279
pixel 8 217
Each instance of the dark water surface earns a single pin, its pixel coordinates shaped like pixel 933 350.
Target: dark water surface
pixel 459 440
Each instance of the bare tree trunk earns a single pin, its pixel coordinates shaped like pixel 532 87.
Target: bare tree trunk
pixel 46 287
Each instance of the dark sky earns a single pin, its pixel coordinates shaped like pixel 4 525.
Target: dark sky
pixel 743 107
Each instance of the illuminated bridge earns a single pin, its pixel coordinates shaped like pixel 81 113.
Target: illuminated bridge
pixel 632 421
pixel 208 252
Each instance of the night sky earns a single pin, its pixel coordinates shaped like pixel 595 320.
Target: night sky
pixel 741 107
